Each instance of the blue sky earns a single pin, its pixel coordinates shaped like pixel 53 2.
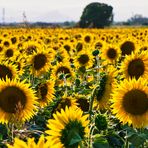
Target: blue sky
pixel 62 10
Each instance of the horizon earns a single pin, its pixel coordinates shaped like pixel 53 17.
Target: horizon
pixel 66 10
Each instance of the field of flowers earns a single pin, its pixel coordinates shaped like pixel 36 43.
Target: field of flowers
pixel 74 88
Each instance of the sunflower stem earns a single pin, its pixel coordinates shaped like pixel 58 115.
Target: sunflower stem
pixel 65 83
pixel 98 66
pixel 126 144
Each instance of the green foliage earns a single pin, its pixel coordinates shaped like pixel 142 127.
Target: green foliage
pixel 100 142
pixel 96 15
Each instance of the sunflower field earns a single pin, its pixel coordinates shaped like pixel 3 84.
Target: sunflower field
pixel 73 88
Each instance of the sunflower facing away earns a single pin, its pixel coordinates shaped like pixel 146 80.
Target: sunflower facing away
pixel 135 65
pixel 103 92
pixel 67 126
pixel 130 102
pixel 17 101
pixel 45 92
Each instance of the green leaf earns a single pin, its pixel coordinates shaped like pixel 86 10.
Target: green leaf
pixel 100 142
pixel 75 139
pixel 136 139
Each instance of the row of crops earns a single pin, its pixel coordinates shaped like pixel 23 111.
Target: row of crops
pixel 74 88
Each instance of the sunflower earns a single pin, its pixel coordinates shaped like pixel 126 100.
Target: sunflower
pixel 30 47
pixel 42 143
pixel 20 64
pixel 6 43
pixel 84 59
pixel 10 53
pixel 103 91
pixel 130 102
pixel 63 68
pixel 82 102
pixel 40 62
pixel 128 46
pixel 8 70
pixel 79 46
pixel 88 38
pixel 61 55
pixel 67 126
pixel 45 92
pixel 135 65
pixel 64 101
pixel 17 101
pixel 110 54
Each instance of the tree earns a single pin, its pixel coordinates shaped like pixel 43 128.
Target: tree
pixel 138 19
pixel 96 15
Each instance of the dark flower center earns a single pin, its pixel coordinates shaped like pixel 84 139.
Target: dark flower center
pixel 135 102
pixel 67 47
pixel 13 40
pixel 79 47
pixel 6 43
pixel 5 71
pixel 136 68
pixel 111 53
pixel 63 103
pixel 83 104
pixel 39 61
pixel 64 70
pixel 43 91
pixel 9 53
pixel 127 47
pixel 30 50
pixel 10 98
pixel 83 59
pixel 87 39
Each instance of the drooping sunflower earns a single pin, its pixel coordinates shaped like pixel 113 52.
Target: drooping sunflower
pixel 8 70
pixel 17 101
pixel 42 143
pixel 110 54
pixel 40 62
pixel 45 92
pixel 66 126
pixel 130 102
pixel 105 88
pixel 135 65
pixel 84 59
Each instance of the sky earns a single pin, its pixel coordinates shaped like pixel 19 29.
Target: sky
pixel 66 10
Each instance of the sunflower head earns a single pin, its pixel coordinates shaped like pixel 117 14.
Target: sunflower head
pixel 17 101
pixel 45 92
pixel 68 128
pixel 127 47
pixel 130 102
pixel 40 62
pixel 135 65
pixel 8 70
